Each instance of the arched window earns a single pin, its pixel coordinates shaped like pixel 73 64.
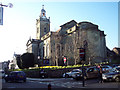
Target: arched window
pixel 58 50
pixel 45 30
pixel 47 50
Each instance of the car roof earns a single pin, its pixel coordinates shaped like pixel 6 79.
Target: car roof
pixel 76 69
pixel 92 67
pixel 117 67
pixel 16 71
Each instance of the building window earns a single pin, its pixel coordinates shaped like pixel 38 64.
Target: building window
pixel 47 50
pixel 45 30
pixel 43 52
pixel 37 30
pixel 58 50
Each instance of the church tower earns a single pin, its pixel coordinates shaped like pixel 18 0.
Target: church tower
pixel 42 24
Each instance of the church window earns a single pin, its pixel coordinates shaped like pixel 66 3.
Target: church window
pixel 58 50
pixel 43 51
pixel 37 30
pixel 45 30
pixel 70 30
pixel 47 50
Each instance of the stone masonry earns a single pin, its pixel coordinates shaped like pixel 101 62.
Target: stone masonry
pixel 52 46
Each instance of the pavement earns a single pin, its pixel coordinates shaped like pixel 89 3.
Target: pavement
pixel 70 83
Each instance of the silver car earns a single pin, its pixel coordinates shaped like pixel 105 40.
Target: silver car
pixel 112 75
pixel 71 73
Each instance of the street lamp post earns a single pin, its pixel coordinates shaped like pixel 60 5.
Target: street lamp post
pixel 10 5
pixel 39 64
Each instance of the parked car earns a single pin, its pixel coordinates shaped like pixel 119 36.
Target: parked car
pixel 15 76
pixel 112 75
pixel 106 68
pixel 91 72
pixel 71 73
pixel 115 65
pixel 2 73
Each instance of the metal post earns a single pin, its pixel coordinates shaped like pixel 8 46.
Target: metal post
pixel 83 74
pixel 65 63
pixel 39 64
pixel 49 86
pixel 83 70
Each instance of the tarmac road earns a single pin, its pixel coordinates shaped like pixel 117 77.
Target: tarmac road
pixel 58 83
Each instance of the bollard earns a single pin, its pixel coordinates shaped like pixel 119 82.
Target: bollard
pixel 49 86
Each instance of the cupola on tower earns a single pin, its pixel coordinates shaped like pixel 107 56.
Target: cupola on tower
pixel 42 24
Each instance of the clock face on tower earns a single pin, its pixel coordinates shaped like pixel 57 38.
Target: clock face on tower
pixel 43 14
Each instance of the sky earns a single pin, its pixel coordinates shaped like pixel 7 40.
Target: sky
pixel 19 22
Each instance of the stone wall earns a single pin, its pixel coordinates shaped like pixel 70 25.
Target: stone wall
pixel 58 73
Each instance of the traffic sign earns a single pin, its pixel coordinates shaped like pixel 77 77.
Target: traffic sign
pixel 82 53
pixel 64 59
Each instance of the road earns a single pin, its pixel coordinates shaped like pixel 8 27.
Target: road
pixel 66 83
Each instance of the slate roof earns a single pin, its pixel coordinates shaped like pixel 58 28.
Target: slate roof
pixel 72 21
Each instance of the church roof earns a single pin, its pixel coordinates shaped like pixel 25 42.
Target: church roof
pixel 72 21
pixel 31 41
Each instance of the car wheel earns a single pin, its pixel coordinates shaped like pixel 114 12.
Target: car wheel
pixel 24 80
pixel 105 80
pixel 6 80
pixel 66 75
pixel 117 79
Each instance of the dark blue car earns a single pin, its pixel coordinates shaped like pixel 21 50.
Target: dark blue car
pixel 15 76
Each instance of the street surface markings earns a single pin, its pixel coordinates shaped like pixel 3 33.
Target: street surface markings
pixel 32 81
pixel 11 87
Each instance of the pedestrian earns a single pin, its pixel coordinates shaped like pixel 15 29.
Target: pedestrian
pixel 100 74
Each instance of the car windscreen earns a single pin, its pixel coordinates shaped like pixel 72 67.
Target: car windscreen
pixel 76 70
pixel 118 69
pixel 12 74
pixel 20 74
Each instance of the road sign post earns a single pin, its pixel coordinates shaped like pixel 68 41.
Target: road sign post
pixel 82 59
pixel 82 54
pixel 65 60
pixel 65 63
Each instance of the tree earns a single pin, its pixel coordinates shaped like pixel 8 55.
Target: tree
pixel 27 60
pixel 19 61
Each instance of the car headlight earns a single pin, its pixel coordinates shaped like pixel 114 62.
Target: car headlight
pixel 103 75
pixel 78 75
pixel 107 75
pixel 6 75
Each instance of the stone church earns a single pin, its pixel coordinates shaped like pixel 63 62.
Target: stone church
pixel 50 47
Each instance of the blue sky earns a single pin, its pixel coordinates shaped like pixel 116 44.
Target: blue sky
pixel 20 21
